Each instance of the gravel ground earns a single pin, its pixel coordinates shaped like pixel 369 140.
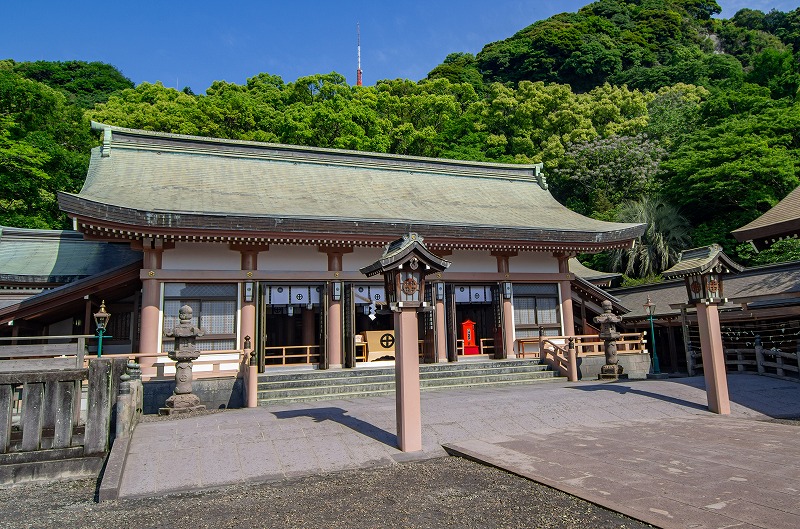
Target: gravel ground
pixel 441 493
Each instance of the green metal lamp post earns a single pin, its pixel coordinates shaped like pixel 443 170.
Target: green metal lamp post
pixel 650 308
pixel 101 318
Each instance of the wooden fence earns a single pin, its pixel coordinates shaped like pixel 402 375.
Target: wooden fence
pixel 585 345
pixel 770 362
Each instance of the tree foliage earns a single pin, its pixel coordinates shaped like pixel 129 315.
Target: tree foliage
pixel 595 177
pixel 623 99
pixel 44 148
pixel 658 248
pixel 84 83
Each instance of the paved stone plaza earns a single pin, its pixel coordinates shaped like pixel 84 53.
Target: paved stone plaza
pixel 648 448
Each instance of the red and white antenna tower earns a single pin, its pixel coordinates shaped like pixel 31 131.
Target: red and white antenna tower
pixel 358 72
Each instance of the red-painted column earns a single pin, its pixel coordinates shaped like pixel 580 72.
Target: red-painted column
pixel 713 359
pixel 565 288
pixel 149 338
pixel 334 316
pixel 249 263
pixel 408 406
pixel 503 267
pixel 441 331
pixel 508 328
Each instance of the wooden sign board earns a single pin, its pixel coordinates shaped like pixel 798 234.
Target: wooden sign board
pixel 379 343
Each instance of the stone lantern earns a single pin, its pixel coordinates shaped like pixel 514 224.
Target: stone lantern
pixel 703 270
pixel 404 264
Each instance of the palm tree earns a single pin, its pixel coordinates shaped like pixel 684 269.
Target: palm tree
pixel 658 248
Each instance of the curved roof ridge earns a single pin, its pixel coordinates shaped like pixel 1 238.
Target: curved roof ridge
pixel 189 143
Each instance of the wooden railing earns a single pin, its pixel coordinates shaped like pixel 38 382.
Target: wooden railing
pixel 559 357
pixel 770 362
pixel 585 344
pixel 210 364
pixel 561 352
pixel 486 346
pixel 40 355
pixel 778 363
pixel 285 355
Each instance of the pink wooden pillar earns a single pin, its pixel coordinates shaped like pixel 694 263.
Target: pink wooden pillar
pixel 441 331
pixel 249 263
pixel 508 309
pixel 713 359
pixel 565 287
pixel 334 347
pixel 149 338
pixel 408 406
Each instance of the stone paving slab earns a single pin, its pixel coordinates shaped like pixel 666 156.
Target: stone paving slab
pixel 528 426
pixel 670 485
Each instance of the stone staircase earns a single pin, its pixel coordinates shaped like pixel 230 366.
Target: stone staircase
pixel 284 386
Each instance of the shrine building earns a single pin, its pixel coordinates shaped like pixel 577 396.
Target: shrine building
pixel 265 243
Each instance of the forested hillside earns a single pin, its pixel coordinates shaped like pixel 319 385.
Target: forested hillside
pixel 641 110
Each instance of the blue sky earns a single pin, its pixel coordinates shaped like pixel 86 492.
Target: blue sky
pixel 196 42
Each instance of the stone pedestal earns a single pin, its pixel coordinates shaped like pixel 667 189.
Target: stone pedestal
pixel 612 372
pixel 608 333
pixel 185 334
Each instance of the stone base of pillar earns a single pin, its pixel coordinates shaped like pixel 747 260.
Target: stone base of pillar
pixel 335 366
pixel 657 376
pixel 184 403
pixel 612 372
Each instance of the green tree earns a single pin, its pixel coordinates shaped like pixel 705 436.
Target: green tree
pixel 44 146
pixel 742 163
pixel 780 252
pixel 460 68
pixel 658 248
pixel 84 83
pixel 595 177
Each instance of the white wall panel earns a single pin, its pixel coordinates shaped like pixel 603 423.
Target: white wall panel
pixel 533 262
pixel 201 256
pixel 472 261
pixel 288 258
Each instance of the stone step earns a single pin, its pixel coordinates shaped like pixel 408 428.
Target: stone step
pixel 271 401
pixel 371 384
pixel 377 376
pixel 306 384
pixel 289 374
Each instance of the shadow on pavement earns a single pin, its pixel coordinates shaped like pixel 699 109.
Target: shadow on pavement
pixel 776 398
pixel 339 415
pixel 621 389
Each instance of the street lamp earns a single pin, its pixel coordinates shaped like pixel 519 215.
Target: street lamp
pixel 101 318
pixel 650 309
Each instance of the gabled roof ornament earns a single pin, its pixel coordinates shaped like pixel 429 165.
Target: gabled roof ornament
pixel 540 175
pixel 106 150
pixel 702 260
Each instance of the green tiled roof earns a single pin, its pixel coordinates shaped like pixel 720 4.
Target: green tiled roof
pixel 783 220
pixel 699 260
pixel 168 180
pixel 582 271
pixel 52 256
pixel 776 281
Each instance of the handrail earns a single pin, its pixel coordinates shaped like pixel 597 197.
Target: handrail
pixel 586 344
pixel 164 366
pixel 283 356
pixel 564 360
pixel 34 338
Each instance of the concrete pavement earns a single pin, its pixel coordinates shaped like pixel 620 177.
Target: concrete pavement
pixel 648 448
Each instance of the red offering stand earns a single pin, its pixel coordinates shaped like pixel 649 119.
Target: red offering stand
pixel 468 335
